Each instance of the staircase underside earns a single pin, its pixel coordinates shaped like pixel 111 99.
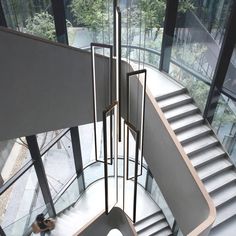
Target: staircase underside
pixel 207 155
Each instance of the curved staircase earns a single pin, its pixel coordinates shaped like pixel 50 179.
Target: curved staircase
pixel 207 155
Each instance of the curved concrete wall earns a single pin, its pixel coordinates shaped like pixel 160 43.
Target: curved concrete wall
pixel 44 85
pixel 171 168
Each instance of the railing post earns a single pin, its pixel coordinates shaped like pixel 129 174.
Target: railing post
pixel 75 140
pixel 60 20
pixel 168 34
pixel 41 175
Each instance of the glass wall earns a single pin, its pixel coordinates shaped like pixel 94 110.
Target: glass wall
pixel 230 80
pixel 59 163
pixel 32 17
pixel 20 203
pixel 142 30
pixel 89 21
pixel 224 125
pixel 195 52
pixel 213 15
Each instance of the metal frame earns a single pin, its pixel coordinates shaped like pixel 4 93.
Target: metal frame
pixel 54 141
pixel 41 175
pixel 128 126
pixel 118 65
pixel 168 34
pixel 114 107
pixel 221 66
pixel 110 85
pixel 128 75
pixel 60 20
pixel 75 140
pixel 114 26
pixel 3 21
pixel 15 177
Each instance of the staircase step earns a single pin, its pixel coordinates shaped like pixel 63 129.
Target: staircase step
pixel 174 93
pixel 148 217
pixel 186 122
pixel 225 212
pixel 207 156
pixel 148 222
pixel 200 145
pixel 174 101
pixel 193 133
pixel 220 180
pixel 180 112
pixel 224 194
pixel 154 229
pixel 164 232
pixel 213 168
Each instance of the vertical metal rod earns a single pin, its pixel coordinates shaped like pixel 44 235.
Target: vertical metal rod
pixel 105 161
pixel 118 66
pixel 78 160
pixel 41 175
pixel 136 178
pixel 114 26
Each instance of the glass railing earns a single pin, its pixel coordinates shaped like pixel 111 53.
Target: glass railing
pixel 22 226
pixel 224 125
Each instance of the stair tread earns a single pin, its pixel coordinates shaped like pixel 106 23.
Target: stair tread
pixel 206 155
pixel 180 90
pixel 225 212
pixel 165 232
pixel 213 167
pixel 199 144
pixel 154 229
pixel 224 194
pixel 165 103
pixel 192 132
pixel 220 180
pixel 180 111
pixel 186 121
pixel 149 221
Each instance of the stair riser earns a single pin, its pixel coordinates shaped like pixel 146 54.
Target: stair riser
pixel 208 161
pixel 177 104
pixel 188 126
pixel 165 96
pixel 149 226
pixel 147 218
pixel 214 226
pixel 216 173
pixel 182 115
pixel 201 149
pixel 220 187
pixel 188 140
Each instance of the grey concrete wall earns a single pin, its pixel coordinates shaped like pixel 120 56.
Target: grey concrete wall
pixel 44 86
